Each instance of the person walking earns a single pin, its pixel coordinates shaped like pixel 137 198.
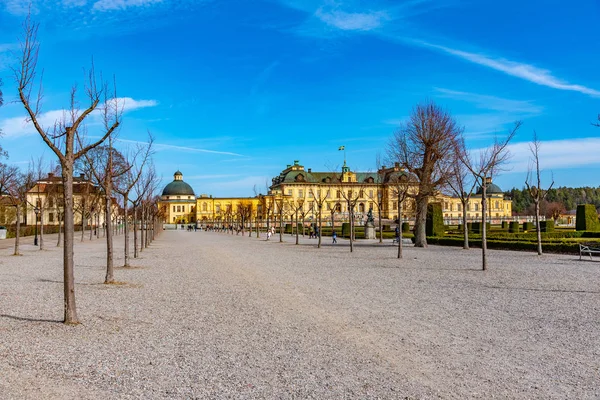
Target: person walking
pixel 334 236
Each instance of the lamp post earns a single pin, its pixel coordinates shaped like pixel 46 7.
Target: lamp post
pixel 36 210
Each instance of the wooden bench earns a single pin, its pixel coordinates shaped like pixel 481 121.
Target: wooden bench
pixel 588 249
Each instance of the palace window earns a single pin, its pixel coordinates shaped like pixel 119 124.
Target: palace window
pixel 445 205
pixel 362 194
pixel 204 207
pixel 476 206
pixel 178 208
pixel 51 217
pixel 218 208
pixel 290 192
pixel 173 208
pixel 300 193
pixel 371 193
pixel 458 207
pixel 310 194
pixel 497 204
pixel 350 193
pixel 339 194
pixel 51 202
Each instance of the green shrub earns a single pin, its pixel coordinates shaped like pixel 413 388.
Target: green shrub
pixel 587 218
pixel 405 227
pixel 288 228
pixel 476 227
pixel 434 224
pixel 346 229
pixel 547 226
pixel 528 226
pixel 386 227
pixel 513 227
pixel 469 227
pixel 504 225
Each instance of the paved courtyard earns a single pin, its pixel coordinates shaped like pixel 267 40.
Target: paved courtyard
pixel 210 315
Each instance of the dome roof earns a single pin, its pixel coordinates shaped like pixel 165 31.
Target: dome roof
pixel 178 187
pixel 491 188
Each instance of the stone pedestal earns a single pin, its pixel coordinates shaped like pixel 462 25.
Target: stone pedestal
pixel 369 231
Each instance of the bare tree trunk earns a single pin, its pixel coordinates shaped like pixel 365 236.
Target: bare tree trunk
pixel 91 220
pixel 142 222
pixel 465 229
pixel 351 211
pixel 320 228
pixel 109 239
pixel 380 227
pixel 59 227
pixel 297 233
pixel 126 227
pixel 18 230
pixel 281 225
pixel 42 229
pixel 82 222
pixel 70 315
pixel 537 226
pixel 135 236
pixel 399 229
pixel 484 228
pixel 420 233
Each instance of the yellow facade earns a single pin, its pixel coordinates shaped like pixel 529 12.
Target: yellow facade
pixel 301 191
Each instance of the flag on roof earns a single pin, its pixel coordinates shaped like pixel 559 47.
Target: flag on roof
pixel 342 148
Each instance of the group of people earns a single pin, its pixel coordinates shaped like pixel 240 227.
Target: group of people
pixel 270 232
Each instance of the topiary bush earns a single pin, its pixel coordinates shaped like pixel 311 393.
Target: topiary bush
pixel 514 226
pixel 405 227
pixel 434 224
pixel 346 229
pixel 528 226
pixel 547 226
pixel 504 225
pixel 587 218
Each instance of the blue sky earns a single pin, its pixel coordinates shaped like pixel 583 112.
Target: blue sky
pixel 235 90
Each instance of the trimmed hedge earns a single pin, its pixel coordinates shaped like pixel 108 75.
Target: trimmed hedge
pixel 477 227
pixel 434 223
pixel 504 225
pixel 405 227
pixel 587 218
pixel 552 247
pixel 547 226
pixel 514 227
pixel 528 226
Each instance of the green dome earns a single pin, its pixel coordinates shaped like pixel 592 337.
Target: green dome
pixel 178 187
pixel 492 188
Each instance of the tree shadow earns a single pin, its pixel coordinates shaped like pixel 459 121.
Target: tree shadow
pixel 30 319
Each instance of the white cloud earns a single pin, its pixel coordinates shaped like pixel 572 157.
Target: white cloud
pixel 163 146
pixel 495 103
pixel 556 154
pixel 352 21
pixel 110 5
pixel 524 71
pixel 18 126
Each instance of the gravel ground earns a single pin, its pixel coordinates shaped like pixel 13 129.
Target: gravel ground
pixel 209 315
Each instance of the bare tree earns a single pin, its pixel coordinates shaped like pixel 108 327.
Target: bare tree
pixel 297 207
pixel 400 186
pixel 14 185
pixel 424 146
pixel 461 184
pixel 107 165
pixel 136 161
pixel 142 187
pixel 489 163
pixel 535 190
pixel 377 197
pixel 320 197
pixel 61 139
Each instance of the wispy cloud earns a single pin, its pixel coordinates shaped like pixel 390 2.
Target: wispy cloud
pixel 352 21
pixel 517 69
pixel 110 5
pixel 164 146
pixel 488 102
pixel 556 154
pixel 19 126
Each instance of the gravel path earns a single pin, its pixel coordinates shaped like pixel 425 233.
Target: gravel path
pixel 210 315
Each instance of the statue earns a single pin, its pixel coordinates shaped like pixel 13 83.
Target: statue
pixel 370 219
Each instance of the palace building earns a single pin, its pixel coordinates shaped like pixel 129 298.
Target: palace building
pixel 302 191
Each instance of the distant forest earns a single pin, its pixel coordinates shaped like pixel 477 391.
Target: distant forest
pixel 563 198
